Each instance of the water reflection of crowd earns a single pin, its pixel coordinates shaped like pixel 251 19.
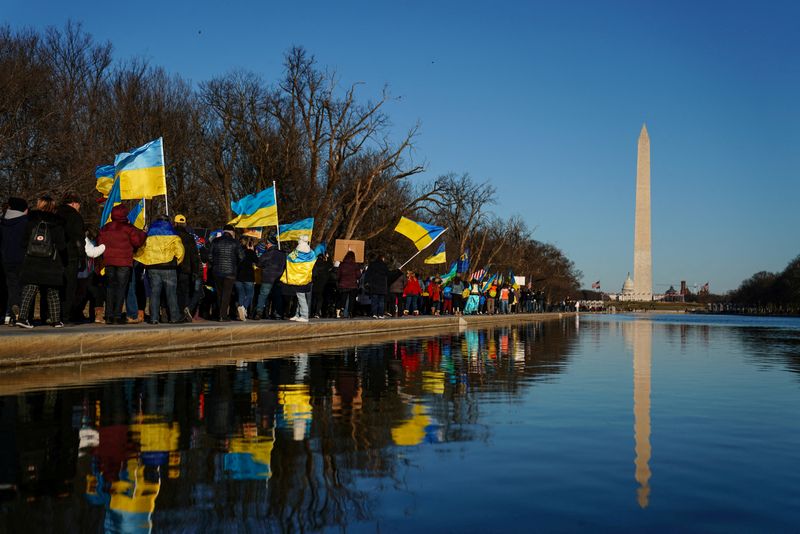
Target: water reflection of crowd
pixel 279 441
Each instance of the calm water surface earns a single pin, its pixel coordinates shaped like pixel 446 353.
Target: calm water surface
pixel 613 423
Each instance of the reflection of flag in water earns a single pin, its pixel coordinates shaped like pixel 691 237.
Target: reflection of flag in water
pixel 417 429
pixel 296 409
pixel 105 178
pixel 249 458
pixel 293 231
pixel 438 257
pixel 256 210
pixel 141 171
pixel 596 285
pixel 422 234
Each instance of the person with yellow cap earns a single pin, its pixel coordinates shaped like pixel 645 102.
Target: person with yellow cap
pixel 189 271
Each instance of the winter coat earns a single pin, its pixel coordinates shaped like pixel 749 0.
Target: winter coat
pixel 348 275
pixel 246 273
pixel 272 264
pixel 321 274
pixel 225 255
pixel 45 271
pixel 73 231
pixel 412 287
pixel 397 281
pixel 435 291
pixel 12 237
pixel 376 278
pixel 121 238
pixel 163 248
pixel 191 256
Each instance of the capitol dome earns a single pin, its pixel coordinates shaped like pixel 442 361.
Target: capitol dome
pixel 627 287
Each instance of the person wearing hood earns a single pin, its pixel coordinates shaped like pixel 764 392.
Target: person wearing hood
pixel 272 264
pixel 320 276
pixel 120 238
pixel 162 253
pixel 225 256
pixel 189 270
pixel 43 265
pixel 347 277
pixel 298 275
pixel 12 252
pixel 69 210
pixel 376 281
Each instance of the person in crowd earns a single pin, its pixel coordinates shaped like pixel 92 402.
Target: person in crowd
pixel 246 278
pixel 376 282
pixel 474 298
pixel 95 283
pixel 447 299
pixel 491 298
pixel 347 281
pixel 435 295
pixel 504 298
pixel 320 276
pixel 225 256
pixel 13 227
pixel 43 264
pixel 298 275
pixel 397 283
pixel 161 253
pixel 458 298
pixel 272 264
pixel 120 238
pixel 188 270
pixel 411 292
pixel 74 233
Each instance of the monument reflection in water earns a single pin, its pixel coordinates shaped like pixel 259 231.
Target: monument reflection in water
pixel 490 430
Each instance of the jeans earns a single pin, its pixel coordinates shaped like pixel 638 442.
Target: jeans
pixel 503 306
pixel 131 302
pixel 378 303
pixel 411 303
pixel 347 301
pixel 302 305
pixel 197 294
pixel 263 295
pixel 116 287
pixel 244 293
pixel 168 279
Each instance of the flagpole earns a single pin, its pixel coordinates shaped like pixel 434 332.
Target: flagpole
pixel 423 248
pixel 277 226
pixel 166 193
pixel 144 211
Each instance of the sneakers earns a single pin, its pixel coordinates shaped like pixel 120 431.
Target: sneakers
pixel 187 315
pixel 375 317
pixel 295 318
pixel 242 311
pixel 58 324
pixel 8 320
pixel 300 319
pixel 25 324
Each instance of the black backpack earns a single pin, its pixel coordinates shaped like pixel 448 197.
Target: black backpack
pixel 40 244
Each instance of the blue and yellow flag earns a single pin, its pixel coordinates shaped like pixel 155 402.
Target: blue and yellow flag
pixel 488 283
pixel 421 234
pixel 438 257
pixel 299 266
pixel 112 200
pixel 463 262
pixel 256 210
pixel 451 274
pixel 105 178
pixel 293 231
pixel 136 215
pixel 141 171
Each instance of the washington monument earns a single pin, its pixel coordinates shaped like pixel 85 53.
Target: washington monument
pixel 642 255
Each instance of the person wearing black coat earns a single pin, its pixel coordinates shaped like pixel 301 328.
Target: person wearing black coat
pixel 69 211
pixel 189 270
pixel 272 264
pixel 45 273
pixel 225 256
pixel 12 251
pixel 320 276
pixel 246 278
pixel 376 282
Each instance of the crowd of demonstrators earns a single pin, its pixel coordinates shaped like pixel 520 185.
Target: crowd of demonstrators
pixel 168 274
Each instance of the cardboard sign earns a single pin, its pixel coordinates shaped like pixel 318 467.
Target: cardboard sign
pixel 345 245
pixel 253 232
pixel 519 280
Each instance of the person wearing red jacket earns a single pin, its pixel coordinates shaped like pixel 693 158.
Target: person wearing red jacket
pixel 411 292
pixel 435 294
pixel 121 238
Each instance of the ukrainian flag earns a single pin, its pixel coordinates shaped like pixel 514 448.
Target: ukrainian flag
pixel 421 234
pixel 136 215
pixel 141 172
pixel 451 274
pixel 293 231
pixel 300 265
pixel 438 257
pixel 256 210
pixel 105 178
pixel 112 200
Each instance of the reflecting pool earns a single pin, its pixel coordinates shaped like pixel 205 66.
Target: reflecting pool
pixel 673 423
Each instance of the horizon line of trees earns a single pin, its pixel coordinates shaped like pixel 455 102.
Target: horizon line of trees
pixel 770 293
pixel 66 106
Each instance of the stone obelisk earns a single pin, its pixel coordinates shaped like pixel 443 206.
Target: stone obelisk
pixel 642 255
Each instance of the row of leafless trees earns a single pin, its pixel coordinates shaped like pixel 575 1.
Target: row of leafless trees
pixel 66 106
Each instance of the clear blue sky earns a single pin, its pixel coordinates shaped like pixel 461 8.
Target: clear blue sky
pixel 546 100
